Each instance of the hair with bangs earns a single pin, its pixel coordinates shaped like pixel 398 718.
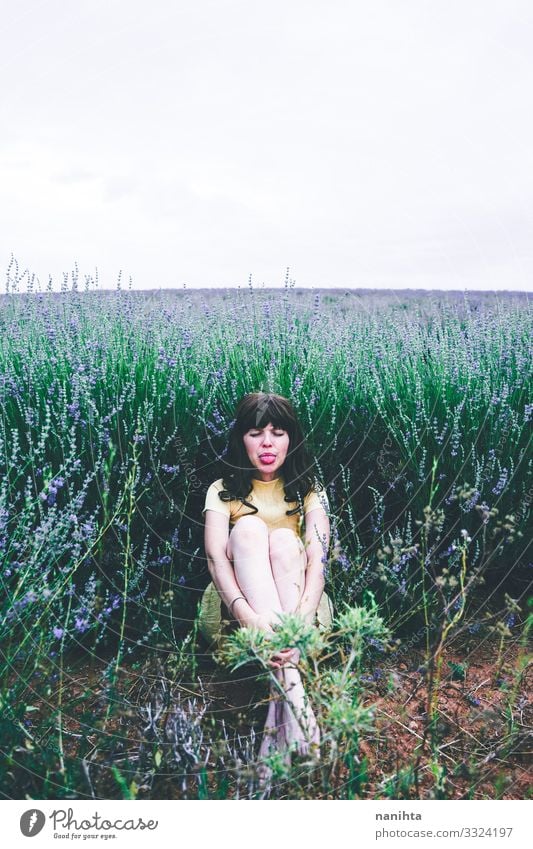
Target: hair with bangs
pixel 256 410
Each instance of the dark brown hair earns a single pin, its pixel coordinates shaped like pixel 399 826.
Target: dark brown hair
pixel 256 410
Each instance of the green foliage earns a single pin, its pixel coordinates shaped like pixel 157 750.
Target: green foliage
pixel 115 412
pixel 457 671
pixel 330 674
pixel 116 407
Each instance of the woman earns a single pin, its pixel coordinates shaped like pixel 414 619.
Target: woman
pixel 257 559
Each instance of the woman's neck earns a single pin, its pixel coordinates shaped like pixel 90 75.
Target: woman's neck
pixel 267 479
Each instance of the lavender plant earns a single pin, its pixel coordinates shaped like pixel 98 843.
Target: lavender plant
pixel 115 409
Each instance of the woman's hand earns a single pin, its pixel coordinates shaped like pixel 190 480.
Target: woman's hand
pixel 263 623
pixel 284 657
pixel 281 657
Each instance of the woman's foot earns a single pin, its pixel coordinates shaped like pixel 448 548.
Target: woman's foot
pixel 291 723
pixel 301 727
pixel 301 730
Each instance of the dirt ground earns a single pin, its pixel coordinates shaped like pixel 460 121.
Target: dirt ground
pixel 484 745
pixel 484 729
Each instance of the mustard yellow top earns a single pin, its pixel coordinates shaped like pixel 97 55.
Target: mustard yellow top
pixel 268 497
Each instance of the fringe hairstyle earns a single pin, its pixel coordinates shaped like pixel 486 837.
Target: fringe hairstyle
pixel 256 410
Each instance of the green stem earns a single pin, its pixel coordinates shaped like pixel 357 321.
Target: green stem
pixel 130 487
pixel 60 694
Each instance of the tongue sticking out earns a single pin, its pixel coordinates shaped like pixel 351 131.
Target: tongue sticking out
pixel 268 459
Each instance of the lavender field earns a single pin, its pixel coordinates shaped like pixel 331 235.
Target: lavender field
pixel 115 410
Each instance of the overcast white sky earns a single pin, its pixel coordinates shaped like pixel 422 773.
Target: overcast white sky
pixel 385 143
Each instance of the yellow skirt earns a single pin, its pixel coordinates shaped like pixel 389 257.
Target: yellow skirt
pixel 213 626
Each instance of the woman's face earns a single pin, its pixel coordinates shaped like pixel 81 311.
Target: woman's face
pixel 267 449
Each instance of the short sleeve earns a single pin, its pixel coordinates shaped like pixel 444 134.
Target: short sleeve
pixel 316 499
pixel 213 502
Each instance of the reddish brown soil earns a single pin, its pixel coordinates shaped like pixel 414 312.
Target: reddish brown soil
pixel 483 730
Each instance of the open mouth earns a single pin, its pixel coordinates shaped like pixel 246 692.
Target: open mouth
pixel 267 458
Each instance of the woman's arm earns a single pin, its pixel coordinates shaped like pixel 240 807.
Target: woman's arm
pixel 316 546
pixel 216 536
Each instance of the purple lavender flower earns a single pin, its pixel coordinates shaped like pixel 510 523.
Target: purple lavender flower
pixel 344 562
pixel 81 624
pixel 87 529
pixel 502 481
pixel 58 632
pixel 473 501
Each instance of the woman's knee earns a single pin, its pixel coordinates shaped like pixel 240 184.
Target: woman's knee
pixel 284 547
pixel 249 530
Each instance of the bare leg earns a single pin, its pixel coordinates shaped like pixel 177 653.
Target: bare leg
pixel 270 570
pixel 248 549
pixel 288 562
